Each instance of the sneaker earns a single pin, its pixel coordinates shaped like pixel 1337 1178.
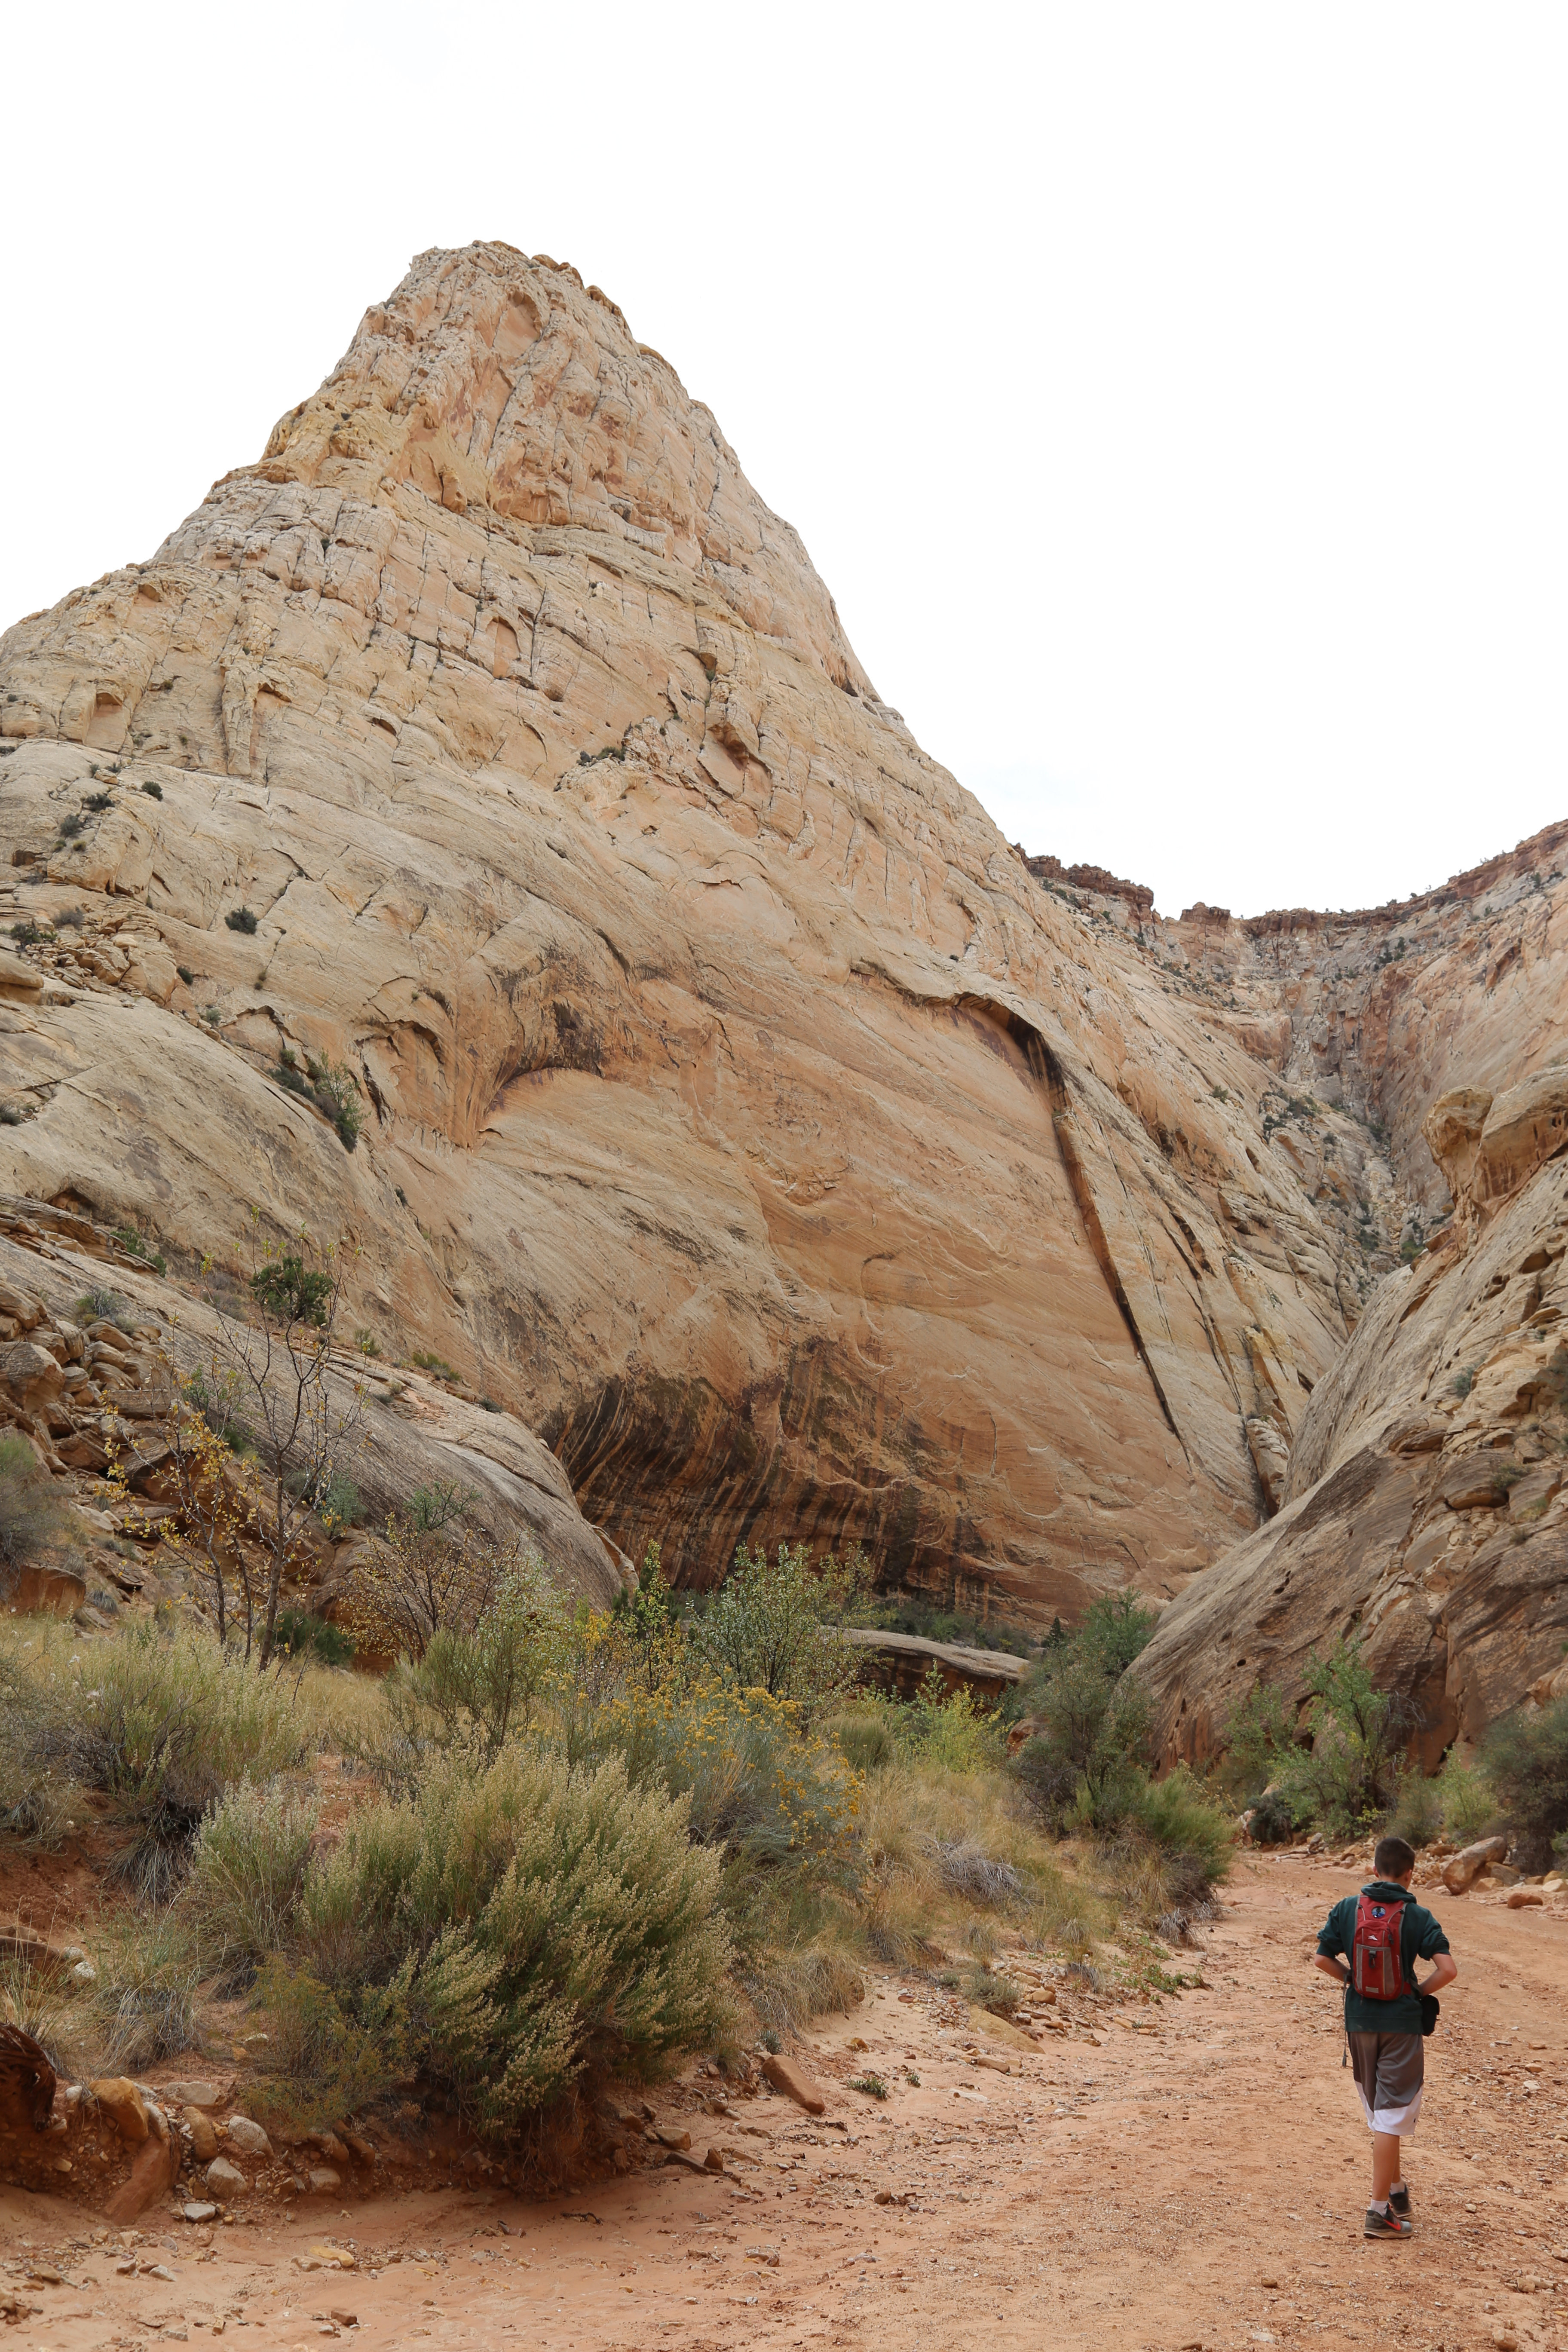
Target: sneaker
pixel 1386 2225
pixel 1399 2202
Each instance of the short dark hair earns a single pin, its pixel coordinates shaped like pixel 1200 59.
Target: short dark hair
pixel 1392 1858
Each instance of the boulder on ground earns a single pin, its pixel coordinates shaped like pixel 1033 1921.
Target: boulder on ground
pixel 225 2180
pixel 247 2137
pixel 1468 1864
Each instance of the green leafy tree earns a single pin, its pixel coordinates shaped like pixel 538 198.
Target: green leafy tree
pixel 775 1624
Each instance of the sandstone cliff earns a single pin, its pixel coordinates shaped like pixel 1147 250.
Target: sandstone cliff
pixel 742 1113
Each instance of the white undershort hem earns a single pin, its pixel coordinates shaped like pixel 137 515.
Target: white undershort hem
pixel 1398 2120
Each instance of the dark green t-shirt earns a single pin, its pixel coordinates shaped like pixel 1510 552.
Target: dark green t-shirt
pixel 1419 1935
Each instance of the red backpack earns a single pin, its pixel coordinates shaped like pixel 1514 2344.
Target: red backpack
pixel 1377 1963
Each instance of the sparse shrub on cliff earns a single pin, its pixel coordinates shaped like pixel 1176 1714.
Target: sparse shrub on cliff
pixel 1463 1383
pixel 241 918
pixel 153 791
pixel 1351 1775
pixel 1525 1756
pixel 103 1306
pixel 32 1521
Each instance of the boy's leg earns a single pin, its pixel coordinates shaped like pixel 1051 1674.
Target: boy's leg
pixel 1384 2166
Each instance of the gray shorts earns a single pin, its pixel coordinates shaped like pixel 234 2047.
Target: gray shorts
pixel 1388 2069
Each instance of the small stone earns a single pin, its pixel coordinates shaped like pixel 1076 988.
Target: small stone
pixel 193 2094
pixel 199 2212
pixel 344 2317
pixel 223 2178
pixel 668 2137
pixel 84 1973
pixel 204 2137
pixel 794 2084
pixel 1521 1898
pixel 158 2270
pixel 359 2148
pixel 324 2177
pixel 247 2137
pixel 713 2162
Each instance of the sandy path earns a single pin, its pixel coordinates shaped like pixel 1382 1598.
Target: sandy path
pixel 1198 2184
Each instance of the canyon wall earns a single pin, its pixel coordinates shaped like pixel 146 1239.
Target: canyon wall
pixel 742 1114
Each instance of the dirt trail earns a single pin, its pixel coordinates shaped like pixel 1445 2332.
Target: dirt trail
pixel 1200 2183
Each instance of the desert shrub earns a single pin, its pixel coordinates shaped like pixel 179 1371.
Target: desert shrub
pixel 772 1625
pixel 1257 1735
pixel 953 1730
pixel 154 792
pixel 1350 1776
pixel 967 1869
pixel 1463 1383
pixel 143 2007
pixel 338 1504
pixel 998 1993
pixel 289 1291
pixel 1525 1758
pixel 1416 1811
pixel 1469 1801
pixel 760 1778
pixel 1196 1840
pixel 426 1573
pixel 71 825
pixel 1116 1629
pixel 97 801
pixel 165 1728
pixel 31 1518
pixel 1273 1820
pixel 241 918
pixel 336 1092
pixel 865 1739
pixel 512 1929
pixel 870 2087
pixel 74 919
pixel 299 1635
pixel 247 1871
pixel 1094 1726
pixel 133 1245
pixel 471 1689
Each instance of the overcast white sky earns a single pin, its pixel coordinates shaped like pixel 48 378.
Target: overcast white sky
pixel 1175 398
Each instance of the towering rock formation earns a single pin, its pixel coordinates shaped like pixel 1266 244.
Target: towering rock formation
pixel 742 1113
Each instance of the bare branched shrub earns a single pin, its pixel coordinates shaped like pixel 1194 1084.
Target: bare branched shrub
pixel 967 1870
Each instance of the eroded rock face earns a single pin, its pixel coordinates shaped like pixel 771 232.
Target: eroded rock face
pixel 1423 1505
pixel 743 1114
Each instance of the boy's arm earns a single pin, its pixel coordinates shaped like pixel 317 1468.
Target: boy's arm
pixel 1445 1968
pixel 1332 1967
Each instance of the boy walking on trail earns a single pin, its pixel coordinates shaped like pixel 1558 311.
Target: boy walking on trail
pixel 1370 1942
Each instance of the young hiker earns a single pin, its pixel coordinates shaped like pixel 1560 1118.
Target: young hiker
pixel 1370 1944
